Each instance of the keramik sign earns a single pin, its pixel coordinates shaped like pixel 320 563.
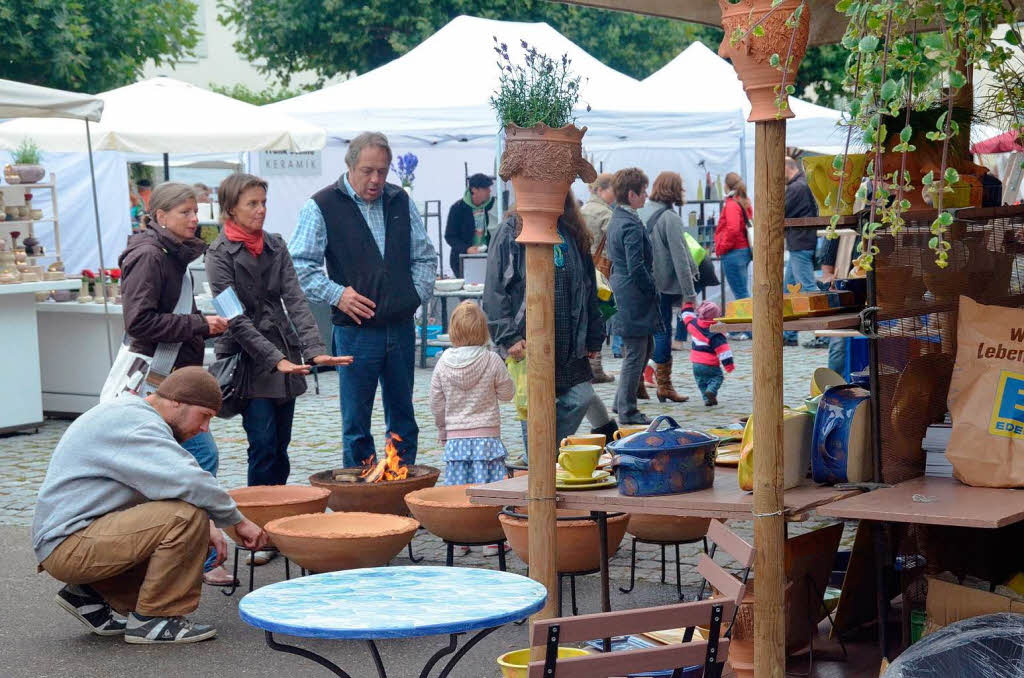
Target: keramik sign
pixel 291 164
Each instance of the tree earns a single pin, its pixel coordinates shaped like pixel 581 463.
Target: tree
pixel 334 36
pixel 92 45
pixel 257 98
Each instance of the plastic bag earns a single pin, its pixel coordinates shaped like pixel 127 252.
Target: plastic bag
pixel 990 645
pixel 517 369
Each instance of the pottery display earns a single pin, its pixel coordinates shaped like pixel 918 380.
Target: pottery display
pixel 667 528
pixel 542 162
pixel 578 540
pixel 445 511
pixel 598 439
pixel 449 285
pixel 26 174
pixel 579 460
pixel 741 641
pixel 823 180
pixel 918 400
pixel 263 503
pixel 384 497
pixel 668 460
pixel 841 446
pixel 515 664
pixel 326 542
pixel 751 56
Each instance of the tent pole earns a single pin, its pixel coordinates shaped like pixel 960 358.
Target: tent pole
pixel 769 521
pixel 99 243
pixel 167 168
pixel 540 424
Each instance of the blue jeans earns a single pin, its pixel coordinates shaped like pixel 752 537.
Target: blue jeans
pixel 385 355
pixel 663 340
pixel 837 356
pixel 268 426
pixel 570 409
pixel 204 449
pixel 800 269
pixel 709 378
pixel 734 267
pixel 616 346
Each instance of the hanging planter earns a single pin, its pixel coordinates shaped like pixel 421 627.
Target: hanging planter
pixel 543 146
pixel 765 40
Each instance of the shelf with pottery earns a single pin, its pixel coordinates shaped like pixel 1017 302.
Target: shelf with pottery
pixel 10 222
pixel 38 286
pixel 839 321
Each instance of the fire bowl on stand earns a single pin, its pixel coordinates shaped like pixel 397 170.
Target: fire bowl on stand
pixel 667 528
pixel 350 493
pixel 264 503
pixel 326 542
pixel 446 512
pixel 578 540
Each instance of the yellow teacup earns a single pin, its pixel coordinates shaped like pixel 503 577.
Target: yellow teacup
pixel 579 460
pixel 598 439
pixel 628 431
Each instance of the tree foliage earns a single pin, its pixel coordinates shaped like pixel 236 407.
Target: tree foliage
pixel 91 45
pixel 262 97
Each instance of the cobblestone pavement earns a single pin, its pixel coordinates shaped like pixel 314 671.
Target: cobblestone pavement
pixel 316 444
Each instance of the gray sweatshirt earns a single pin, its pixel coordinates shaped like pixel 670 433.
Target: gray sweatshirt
pixel 119 454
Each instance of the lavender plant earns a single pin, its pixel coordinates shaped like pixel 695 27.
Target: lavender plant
pixel 538 90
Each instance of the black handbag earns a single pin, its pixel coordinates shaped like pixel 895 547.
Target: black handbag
pixel 232 374
pixel 706 276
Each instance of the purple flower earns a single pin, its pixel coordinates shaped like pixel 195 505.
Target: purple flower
pixel 406 168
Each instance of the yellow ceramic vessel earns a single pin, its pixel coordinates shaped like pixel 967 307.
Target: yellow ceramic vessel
pixel 823 180
pixel 579 460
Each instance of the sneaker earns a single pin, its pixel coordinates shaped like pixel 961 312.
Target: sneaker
pixel 491 550
pixel 817 342
pixel 143 630
pixel 710 400
pixel 88 607
pixel 260 557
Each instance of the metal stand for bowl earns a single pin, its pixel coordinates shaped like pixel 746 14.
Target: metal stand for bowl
pixel 252 567
pixel 500 544
pixel 662 544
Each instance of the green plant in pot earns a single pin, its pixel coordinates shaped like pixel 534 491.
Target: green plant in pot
pixel 25 167
pixel 543 152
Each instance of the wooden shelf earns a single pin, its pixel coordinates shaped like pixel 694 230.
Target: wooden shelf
pixel 28 186
pixel 818 222
pixel 18 222
pixel 839 321
pixel 1013 301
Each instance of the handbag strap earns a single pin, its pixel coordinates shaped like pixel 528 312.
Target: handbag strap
pixel 654 218
pixel 166 353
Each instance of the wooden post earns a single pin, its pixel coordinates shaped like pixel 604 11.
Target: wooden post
pixel 769 523
pixel 540 356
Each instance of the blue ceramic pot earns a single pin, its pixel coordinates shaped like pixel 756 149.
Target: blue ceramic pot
pixel 672 460
pixel 838 449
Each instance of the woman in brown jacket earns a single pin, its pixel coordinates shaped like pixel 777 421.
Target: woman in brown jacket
pixel 276 332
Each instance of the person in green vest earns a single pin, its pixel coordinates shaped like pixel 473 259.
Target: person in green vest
pixel 470 221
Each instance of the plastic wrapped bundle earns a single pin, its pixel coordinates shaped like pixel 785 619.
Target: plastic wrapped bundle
pixel 990 645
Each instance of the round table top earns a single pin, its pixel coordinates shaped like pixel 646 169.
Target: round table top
pixel 392 602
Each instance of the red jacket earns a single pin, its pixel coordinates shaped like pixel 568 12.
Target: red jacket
pixel 731 233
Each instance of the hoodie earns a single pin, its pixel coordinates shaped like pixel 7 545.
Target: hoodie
pixel 467 384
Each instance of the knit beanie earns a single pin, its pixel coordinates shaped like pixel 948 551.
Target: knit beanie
pixel 191 386
pixel 708 310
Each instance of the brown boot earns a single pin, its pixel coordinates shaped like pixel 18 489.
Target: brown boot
pixel 663 373
pixel 641 391
pixel 600 376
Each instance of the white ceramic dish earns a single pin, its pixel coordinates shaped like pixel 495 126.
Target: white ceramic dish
pixel 450 285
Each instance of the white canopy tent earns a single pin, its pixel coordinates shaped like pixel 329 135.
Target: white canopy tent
pixel 433 102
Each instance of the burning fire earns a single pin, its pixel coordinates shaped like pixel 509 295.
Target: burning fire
pixel 390 467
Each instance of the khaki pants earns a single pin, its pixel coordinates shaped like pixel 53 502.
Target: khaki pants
pixel 147 559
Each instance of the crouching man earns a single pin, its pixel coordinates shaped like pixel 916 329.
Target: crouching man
pixel 125 515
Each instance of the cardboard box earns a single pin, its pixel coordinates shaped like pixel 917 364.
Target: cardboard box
pixel 948 603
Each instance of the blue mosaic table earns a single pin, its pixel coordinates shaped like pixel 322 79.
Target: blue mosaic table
pixel 392 602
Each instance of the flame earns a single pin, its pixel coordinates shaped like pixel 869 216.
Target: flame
pixel 389 468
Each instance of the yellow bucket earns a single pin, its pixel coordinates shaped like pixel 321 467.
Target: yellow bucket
pixel 514 664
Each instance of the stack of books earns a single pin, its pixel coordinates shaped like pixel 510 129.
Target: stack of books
pixel 935 442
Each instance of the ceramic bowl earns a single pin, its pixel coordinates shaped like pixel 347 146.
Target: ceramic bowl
pixel 388 497
pixel 445 511
pixel 326 542
pixel 264 503
pixel 449 285
pixel 667 528
pixel 578 540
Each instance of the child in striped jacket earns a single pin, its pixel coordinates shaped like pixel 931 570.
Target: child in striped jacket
pixel 709 351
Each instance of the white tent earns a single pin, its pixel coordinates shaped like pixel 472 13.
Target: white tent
pixel 162 115
pixel 433 102
pixel 19 99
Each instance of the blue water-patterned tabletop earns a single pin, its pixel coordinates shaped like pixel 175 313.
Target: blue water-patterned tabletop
pixel 392 602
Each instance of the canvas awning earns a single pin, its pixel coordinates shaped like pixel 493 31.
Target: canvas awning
pixel 21 100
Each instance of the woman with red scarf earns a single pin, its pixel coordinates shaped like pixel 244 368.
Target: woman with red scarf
pixel 276 332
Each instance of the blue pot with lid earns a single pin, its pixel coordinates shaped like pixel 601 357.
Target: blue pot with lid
pixel 665 459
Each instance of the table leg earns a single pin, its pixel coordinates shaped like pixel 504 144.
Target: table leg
pixel 602 536
pixel 377 660
pixel 423 338
pixel 302 652
pixel 465 648
pixel 882 600
pixel 453 643
pixel 444 315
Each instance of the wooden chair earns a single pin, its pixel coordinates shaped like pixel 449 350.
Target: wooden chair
pixel 711 652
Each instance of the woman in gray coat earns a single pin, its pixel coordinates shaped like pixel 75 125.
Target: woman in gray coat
pixel 674 271
pixel 276 331
pixel 636 296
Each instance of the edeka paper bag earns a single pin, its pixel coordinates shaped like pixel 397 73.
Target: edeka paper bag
pixel 986 396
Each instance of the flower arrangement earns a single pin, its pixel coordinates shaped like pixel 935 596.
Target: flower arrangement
pixel 113 275
pixel 27 153
pixel 406 169
pixel 540 90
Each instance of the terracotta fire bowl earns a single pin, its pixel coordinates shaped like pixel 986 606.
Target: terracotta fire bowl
pixel 325 542
pixel 383 497
pixel 446 512
pixel 263 503
pixel 667 528
pixel 578 540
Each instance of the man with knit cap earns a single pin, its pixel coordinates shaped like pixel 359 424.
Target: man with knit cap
pixel 125 515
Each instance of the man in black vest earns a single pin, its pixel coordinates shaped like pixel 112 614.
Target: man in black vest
pixel 381 267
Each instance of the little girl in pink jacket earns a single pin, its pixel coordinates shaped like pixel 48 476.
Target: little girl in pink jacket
pixel 467 384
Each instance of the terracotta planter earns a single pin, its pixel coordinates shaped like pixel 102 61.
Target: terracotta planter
pixel 263 503
pixel 891 284
pixel 385 497
pixel 542 163
pixel 741 645
pixel 578 540
pixel 325 542
pixel 667 528
pixel 445 511
pixel 751 57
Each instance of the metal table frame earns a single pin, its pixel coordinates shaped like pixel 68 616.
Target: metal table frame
pixel 424 317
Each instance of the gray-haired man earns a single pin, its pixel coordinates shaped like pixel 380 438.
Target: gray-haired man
pixel 380 269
